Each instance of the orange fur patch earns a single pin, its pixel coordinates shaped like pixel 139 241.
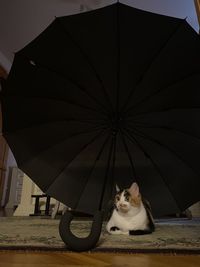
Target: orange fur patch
pixel 136 201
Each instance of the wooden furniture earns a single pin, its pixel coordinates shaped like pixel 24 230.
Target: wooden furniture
pixel 56 209
pixel 197 5
pixel 3 73
pixel 37 211
pixel 3 146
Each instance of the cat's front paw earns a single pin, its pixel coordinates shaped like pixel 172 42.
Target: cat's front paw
pixel 114 228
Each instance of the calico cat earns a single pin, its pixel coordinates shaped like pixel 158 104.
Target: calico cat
pixel 131 214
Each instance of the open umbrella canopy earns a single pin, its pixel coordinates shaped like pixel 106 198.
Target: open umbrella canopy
pixel 108 96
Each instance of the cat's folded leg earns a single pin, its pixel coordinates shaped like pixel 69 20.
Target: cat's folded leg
pixel 125 232
pixel 114 230
pixel 111 228
pixel 118 232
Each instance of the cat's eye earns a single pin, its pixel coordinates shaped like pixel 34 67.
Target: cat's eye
pixel 117 198
pixel 127 198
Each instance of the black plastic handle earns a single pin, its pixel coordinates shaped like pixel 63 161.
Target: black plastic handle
pixel 77 243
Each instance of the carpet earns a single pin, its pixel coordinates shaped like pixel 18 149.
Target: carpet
pixel 25 233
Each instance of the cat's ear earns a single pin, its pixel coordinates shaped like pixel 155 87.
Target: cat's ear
pixel 117 188
pixel 134 190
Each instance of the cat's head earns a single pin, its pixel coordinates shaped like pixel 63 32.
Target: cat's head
pixel 128 199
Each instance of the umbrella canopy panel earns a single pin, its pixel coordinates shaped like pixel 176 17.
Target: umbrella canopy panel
pixel 108 96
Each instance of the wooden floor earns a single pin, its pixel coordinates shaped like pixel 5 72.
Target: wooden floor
pixel 61 259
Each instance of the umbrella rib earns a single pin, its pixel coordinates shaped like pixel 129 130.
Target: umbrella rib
pixel 135 141
pixel 141 78
pixel 66 139
pixel 82 149
pixel 132 108
pixel 106 174
pixel 149 138
pixel 114 139
pixel 74 82
pixel 92 168
pixel 118 63
pixel 94 122
pixel 89 63
pixel 58 100
pixel 167 128
pixel 129 155
pixel 113 162
pixel 162 110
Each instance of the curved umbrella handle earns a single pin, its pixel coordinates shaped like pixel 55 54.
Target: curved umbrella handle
pixel 78 243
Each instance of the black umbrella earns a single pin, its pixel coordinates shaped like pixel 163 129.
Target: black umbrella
pixel 104 97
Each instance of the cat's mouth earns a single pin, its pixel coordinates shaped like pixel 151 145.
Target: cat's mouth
pixel 123 209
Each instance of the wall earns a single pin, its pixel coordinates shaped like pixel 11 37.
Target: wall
pixel 10 163
pixel 174 8
pixel 23 20
pixel 4 62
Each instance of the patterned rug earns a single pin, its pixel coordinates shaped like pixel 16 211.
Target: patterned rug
pixel 33 233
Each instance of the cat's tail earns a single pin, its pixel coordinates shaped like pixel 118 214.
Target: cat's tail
pixel 149 230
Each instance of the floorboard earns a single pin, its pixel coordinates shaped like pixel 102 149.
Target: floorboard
pixel 57 259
